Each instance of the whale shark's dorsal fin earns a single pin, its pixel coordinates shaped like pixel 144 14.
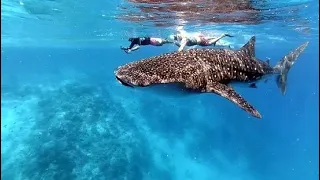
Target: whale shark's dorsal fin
pixel 249 47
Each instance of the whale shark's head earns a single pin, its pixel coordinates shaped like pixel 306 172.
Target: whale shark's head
pixel 124 76
pixel 129 78
pixel 124 82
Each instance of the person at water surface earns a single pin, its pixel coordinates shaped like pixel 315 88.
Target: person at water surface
pixel 143 41
pixel 194 40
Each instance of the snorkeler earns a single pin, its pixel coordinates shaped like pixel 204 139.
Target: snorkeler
pixel 194 40
pixel 143 41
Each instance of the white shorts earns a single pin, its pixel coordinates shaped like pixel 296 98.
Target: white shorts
pixel 155 41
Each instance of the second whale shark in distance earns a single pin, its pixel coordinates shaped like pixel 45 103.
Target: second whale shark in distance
pixel 209 71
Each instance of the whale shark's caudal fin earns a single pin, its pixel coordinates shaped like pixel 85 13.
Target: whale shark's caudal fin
pixel 249 47
pixel 285 64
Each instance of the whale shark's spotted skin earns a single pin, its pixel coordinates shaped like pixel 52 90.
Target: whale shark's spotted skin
pixel 204 70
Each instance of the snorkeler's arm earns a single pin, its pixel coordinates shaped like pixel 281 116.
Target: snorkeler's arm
pixel 183 44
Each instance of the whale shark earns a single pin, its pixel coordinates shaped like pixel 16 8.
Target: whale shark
pixel 210 70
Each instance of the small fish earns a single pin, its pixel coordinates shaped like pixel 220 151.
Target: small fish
pixel 209 71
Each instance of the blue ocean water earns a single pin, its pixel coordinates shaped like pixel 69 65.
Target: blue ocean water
pixel 65 116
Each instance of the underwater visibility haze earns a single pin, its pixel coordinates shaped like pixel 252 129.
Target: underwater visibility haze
pixel 65 115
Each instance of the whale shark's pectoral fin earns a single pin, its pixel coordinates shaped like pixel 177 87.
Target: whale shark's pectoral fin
pixel 229 93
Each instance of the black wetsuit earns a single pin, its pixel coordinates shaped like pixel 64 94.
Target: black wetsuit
pixel 140 41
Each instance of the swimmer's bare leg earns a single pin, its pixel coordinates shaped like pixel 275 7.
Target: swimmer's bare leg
pixel 213 41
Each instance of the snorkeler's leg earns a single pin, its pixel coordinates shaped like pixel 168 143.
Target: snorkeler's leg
pixel 133 43
pixel 220 37
pixel 213 41
pixel 135 48
pixel 132 49
pixel 129 49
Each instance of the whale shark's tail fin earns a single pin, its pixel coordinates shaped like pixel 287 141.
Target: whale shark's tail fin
pixel 285 64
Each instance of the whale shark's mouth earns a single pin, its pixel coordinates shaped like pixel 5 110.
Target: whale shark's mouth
pixel 124 83
pixel 170 90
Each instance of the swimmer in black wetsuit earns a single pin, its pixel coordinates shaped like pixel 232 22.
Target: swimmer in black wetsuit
pixel 143 41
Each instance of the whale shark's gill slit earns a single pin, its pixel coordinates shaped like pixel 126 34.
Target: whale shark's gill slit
pixel 170 90
pixel 124 83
